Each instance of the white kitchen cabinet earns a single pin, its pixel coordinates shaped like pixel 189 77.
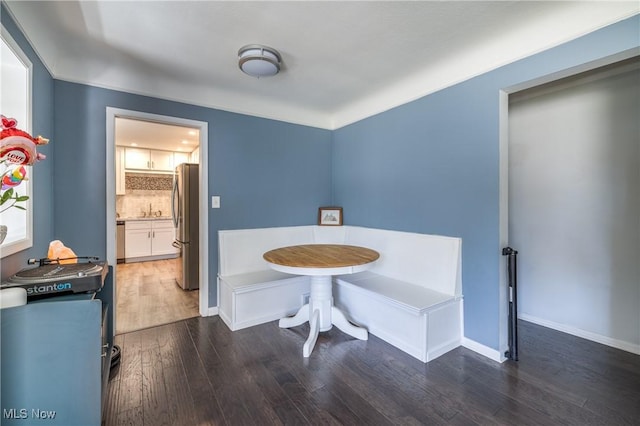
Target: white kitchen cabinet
pixel 146 160
pixel 120 177
pixel 161 160
pixel 195 156
pixel 136 158
pixel 179 158
pixel 137 239
pixel 162 236
pixel 149 240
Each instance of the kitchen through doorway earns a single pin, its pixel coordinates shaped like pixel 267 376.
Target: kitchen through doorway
pixel 149 289
pixel 147 296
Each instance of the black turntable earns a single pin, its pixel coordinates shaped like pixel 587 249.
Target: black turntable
pixel 52 278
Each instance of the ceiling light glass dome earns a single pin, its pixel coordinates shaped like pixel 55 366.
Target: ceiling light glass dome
pixel 259 61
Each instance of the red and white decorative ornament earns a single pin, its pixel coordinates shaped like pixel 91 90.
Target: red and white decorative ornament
pixel 17 146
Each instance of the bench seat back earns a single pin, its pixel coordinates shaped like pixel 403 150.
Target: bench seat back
pixel 430 261
pixel 240 251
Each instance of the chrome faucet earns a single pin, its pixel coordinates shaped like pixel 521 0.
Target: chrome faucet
pixel 150 213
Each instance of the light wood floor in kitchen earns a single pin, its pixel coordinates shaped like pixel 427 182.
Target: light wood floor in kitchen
pixel 147 295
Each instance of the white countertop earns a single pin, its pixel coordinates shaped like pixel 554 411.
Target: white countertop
pixel 145 218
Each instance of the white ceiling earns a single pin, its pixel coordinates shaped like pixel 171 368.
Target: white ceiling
pixel 343 60
pixel 145 134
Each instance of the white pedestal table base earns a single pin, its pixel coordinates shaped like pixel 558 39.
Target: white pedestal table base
pixel 322 315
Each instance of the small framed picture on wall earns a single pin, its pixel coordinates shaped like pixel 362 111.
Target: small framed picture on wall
pixel 330 216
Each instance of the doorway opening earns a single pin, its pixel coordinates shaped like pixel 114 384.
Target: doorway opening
pixel 572 202
pixel 147 296
pixel 143 152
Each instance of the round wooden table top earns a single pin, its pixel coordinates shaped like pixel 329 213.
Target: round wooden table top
pixel 321 256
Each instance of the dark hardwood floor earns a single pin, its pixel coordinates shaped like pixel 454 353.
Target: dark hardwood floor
pixel 197 372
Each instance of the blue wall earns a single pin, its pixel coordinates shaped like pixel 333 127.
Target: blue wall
pixel 268 173
pixel 433 166
pixel 41 175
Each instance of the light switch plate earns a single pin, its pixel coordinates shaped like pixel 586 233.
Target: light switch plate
pixel 215 202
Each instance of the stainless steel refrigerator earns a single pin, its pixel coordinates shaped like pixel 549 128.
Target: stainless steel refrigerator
pixel 184 211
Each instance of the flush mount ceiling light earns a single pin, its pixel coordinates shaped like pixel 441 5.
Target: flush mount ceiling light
pixel 259 61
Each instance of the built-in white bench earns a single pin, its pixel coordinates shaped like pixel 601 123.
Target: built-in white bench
pixel 410 298
pixel 251 293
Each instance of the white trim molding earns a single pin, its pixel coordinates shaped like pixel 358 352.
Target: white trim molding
pixel 490 353
pixel 202 126
pixel 17 83
pixel 588 335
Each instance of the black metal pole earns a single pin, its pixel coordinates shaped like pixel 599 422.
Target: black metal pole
pixel 512 270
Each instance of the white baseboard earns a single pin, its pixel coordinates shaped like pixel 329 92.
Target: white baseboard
pixel 213 310
pixel 483 350
pixel 594 337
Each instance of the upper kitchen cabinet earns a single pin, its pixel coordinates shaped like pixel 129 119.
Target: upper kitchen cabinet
pixel 150 160
pixel 180 157
pixel 195 155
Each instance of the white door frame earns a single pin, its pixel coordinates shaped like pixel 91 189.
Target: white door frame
pixel 112 113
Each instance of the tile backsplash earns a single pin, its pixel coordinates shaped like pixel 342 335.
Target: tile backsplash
pixel 144 193
pixel 137 181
